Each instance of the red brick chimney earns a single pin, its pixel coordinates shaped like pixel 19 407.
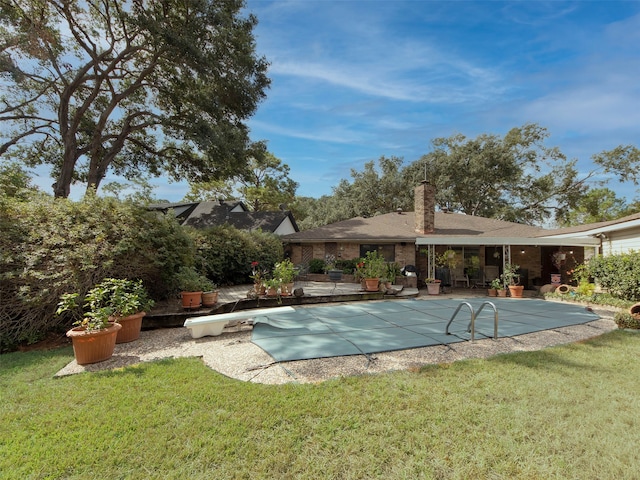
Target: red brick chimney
pixel 425 207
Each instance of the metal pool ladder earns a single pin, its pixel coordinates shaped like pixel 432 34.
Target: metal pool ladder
pixel 472 324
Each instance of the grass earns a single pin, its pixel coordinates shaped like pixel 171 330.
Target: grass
pixel 567 412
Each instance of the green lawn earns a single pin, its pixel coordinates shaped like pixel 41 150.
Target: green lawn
pixel 564 412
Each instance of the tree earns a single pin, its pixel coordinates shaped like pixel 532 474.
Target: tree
pixel 158 86
pixel 265 185
pixel 515 178
pixel 597 205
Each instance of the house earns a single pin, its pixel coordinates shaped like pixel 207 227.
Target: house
pixel 483 245
pixel 234 213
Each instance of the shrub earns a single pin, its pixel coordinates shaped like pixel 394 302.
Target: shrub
pixel 627 320
pixel 225 254
pixel 53 246
pixel 316 265
pixel 619 274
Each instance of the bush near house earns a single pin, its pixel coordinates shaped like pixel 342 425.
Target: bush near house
pixel 224 254
pixel 52 246
pixel 618 274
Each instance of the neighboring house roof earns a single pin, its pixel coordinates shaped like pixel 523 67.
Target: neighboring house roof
pixel 234 213
pixel 630 221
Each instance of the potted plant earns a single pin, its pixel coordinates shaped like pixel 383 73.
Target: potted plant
pixel 511 278
pixel 285 271
pixel 272 285
pixel 94 336
pixel 191 285
pixel 374 268
pixel 257 274
pixel 393 271
pixel 128 301
pixel 433 286
pixel 335 275
pixel 210 297
pixel 494 286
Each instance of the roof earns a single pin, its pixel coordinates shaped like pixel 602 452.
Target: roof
pixel 234 213
pixel 593 228
pixel 400 227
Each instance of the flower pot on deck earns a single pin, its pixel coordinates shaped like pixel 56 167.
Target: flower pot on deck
pixel 372 284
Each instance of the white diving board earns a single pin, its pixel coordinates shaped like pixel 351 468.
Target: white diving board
pixel 212 325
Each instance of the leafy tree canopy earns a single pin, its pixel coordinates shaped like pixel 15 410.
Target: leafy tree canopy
pixel 264 184
pixel 515 177
pixel 160 86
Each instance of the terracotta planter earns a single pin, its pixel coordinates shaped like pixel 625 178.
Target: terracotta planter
pixel 286 289
pixel 259 288
pixel 272 292
pixel 433 288
pixel 191 300
pixel 634 309
pixel 501 292
pixel 209 299
pixel 492 292
pixel 93 347
pixel 131 327
pixel 515 291
pixel 372 284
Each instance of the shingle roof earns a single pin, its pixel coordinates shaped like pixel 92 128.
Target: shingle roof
pixel 211 214
pixel 400 227
pixel 592 226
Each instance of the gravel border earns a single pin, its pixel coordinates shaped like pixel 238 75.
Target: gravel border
pixel 232 353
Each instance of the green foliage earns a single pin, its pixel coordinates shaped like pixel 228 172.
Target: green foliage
pixel 374 265
pixel 285 271
pixel 189 280
pixel 225 253
pixel 316 265
pixel 348 266
pixel 627 320
pixel 52 246
pixel 618 274
pixel 176 81
pixel 510 275
pixel 393 271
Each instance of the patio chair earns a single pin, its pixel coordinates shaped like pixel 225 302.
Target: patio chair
pixel 459 277
pixel 302 275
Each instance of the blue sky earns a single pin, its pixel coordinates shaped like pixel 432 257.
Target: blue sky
pixel 355 80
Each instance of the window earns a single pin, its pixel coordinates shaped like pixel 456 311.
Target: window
pixel 387 251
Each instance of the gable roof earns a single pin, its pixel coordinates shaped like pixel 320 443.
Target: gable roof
pixel 234 213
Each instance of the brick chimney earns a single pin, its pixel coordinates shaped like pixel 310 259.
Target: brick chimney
pixel 425 207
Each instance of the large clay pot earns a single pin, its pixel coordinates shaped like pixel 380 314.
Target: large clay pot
pixel 191 300
pixel 515 291
pixel 501 292
pixel 433 288
pixel 131 327
pixel 492 292
pixel 286 289
pixel 93 347
pixel 372 284
pixel 209 299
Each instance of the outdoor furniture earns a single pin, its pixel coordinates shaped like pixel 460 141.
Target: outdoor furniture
pixel 460 277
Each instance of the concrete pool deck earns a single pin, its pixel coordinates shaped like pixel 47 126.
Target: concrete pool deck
pixel 234 355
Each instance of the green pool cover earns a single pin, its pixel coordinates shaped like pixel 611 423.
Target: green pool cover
pixel 372 327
